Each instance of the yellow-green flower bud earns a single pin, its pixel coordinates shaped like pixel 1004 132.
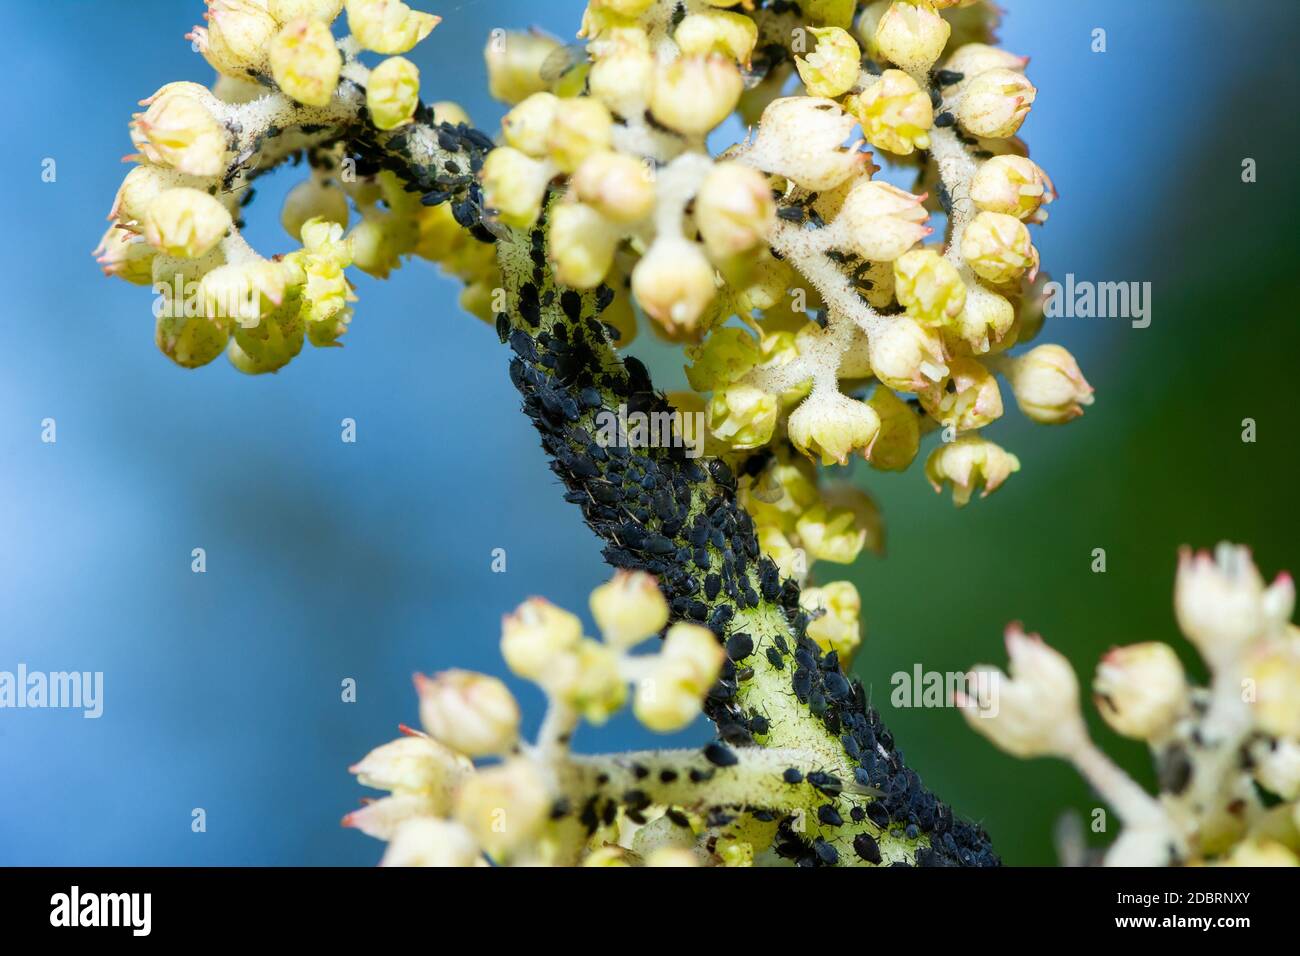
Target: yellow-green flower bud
pixel 623 8
pixel 895 113
pixel 504 807
pixel 141 185
pixel 995 103
pixel 968 400
pixel 836 626
pixel 313 199
pixel 373 249
pixel 743 416
pixel 514 185
pixel 907 356
pixel 618 186
pixel 693 94
pixel 881 222
pixel 580 127
pixel 473 714
pixel 734 209
pixel 587 679
pixel 127 256
pixel 674 283
pixel 414 763
pixel 324 256
pixel 900 432
pixel 236 37
pixel 834 65
pixel 191 341
pixel 527 127
pixel 179 130
pixel 514 64
pixel 286 10
pixel 831 534
pixel 802 138
pixel 429 841
pixel 388 26
pixel 629 608
pixel 832 426
pixel 670 696
pixel 393 92
pixel 722 358
pixel 911 35
pixel 929 287
pixel 717 31
pixel 306 62
pixel 535 635
pixel 967 463
pixel 448 111
pixel 986 318
pixel 1048 385
pixel 998 247
pixel 245 292
pixel 972 59
pixel 1141 689
pixel 185 223
pixel 1274 668
pixel 582 245
pixel 780 493
pixel 1010 184
pixel 622 79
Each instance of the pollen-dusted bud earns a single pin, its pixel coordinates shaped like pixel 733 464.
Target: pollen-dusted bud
pixel 717 31
pixel 1033 711
pixel 734 209
pixel 185 223
pixel 313 199
pixel 514 64
pixel 582 245
pixel 881 222
pixel 580 127
pixel 693 94
pixel 618 186
pixel 900 432
pixel 832 426
pixel 191 342
pixel 834 65
pixel 837 625
pixel 236 37
pixel 388 26
pixel 998 248
pixel 968 462
pixel 929 287
pixel 968 400
pixel 895 113
pixel 669 696
pixel 911 35
pixel 505 806
pixel 286 10
pixel 179 130
pixel 514 185
pixel 474 714
pixel 1141 689
pixel 393 92
pixel 414 763
pixel 995 103
pixel 742 416
pixel 801 138
pixel 629 608
pixel 306 62
pixel 429 841
pixel 674 283
pixel 1011 184
pixel 1048 385
pixel 907 356
pixel 535 634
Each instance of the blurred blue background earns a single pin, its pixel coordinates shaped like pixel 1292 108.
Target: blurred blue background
pixel 328 561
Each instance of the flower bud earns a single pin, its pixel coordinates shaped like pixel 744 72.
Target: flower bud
pixel 629 608
pixel 527 126
pixel 1048 385
pixel 791 562
pixel 674 282
pixel 1033 711
pixel 388 26
pixel 1222 605
pixel 236 37
pixel 1140 689
pixel 1011 184
pixel 474 714
pixel 743 416
pixel 900 432
pixel 191 341
pixel 179 130
pixel 1275 671
pixel 246 292
pixel 717 31
pixel 911 35
pixel 393 92
pixel 968 462
pixel 382 818
pixel 693 94
pixel 185 223
pixel 514 185
pixel 622 79
pixel 801 138
pixel 618 186
pixel 833 67
pixel 972 59
pixel 305 61
pixel 968 400
pixel 998 248
pixel 127 256
pixel 505 806
pixel 881 222
pixel 895 113
pixel 428 841
pixel 138 189
pixel 929 287
pixel 1277 767
pixel 588 680
pixel 781 492
pixel 313 199
pixel 907 356
pixel 324 256
pixel 514 64
pixel 271 344
pixel 535 634
pixel 286 10
pixel 832 426
pixel 832 534
pixel 726 356
pixel 986 318
pixel 580 127
pixel 836 626
pixel 995 103
pixel 623 8
pixel 734 209
pixel 670 696
pixel 373 249
pixel 414 763
pixel 582 245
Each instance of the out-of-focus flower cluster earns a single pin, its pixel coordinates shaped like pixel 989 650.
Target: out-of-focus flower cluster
pixel 1227 756
pixel 286 89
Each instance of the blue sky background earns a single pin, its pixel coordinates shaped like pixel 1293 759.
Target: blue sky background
pixel 371 560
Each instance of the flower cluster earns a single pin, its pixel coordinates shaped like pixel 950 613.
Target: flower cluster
pixel 1227 756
